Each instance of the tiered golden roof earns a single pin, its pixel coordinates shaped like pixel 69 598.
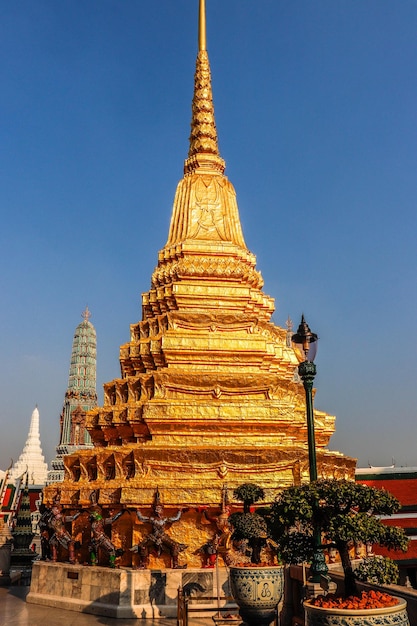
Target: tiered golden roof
pixel 208 392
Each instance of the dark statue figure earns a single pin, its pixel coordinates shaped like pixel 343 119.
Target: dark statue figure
pixel 99 539
pixel 60 535
pixel 44 531
pixel 158 538
pixel 208 552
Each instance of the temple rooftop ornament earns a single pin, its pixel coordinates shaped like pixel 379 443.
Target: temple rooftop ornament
pixel 207 392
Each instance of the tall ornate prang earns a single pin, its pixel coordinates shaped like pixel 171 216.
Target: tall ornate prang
pixel 80 396
pixel 207 392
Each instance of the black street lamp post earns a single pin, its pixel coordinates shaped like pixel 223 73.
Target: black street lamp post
pixel 306 341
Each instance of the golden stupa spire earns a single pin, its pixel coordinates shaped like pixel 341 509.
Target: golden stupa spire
pixel 203 138
pixel 205 214
pixel 202 36
pixel 207 390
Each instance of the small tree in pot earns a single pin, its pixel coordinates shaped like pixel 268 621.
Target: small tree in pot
pixel 257 589
pixel 249 526
pixel 343 511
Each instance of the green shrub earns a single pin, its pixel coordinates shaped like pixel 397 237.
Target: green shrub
pixel 378 570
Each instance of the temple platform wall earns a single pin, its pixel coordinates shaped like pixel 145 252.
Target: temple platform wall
pixel 125 592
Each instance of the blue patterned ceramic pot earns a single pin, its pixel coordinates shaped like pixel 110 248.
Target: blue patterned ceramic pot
pixel 257 591
pixel 388 616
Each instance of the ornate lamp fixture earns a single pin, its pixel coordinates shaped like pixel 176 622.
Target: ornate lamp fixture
pixel 306 342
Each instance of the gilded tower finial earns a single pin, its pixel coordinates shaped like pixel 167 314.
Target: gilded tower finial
pixel 86 314
pixel 202 40
pixel 203 138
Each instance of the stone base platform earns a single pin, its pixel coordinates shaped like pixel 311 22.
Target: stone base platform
pixel 125 592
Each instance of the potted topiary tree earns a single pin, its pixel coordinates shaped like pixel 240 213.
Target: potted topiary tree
pixel 247 525
pixel 344 512
pixel 256 587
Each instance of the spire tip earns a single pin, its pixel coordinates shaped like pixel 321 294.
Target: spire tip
pixel 86 314
pixel 202 36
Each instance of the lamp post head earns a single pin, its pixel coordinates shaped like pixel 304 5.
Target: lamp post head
pixel 305 340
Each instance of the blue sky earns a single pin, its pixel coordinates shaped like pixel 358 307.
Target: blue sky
pixel 316 112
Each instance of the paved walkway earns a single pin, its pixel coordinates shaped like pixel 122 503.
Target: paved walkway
pixel 14 611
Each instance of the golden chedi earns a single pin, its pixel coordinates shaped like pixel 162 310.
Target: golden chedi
pixel 208 393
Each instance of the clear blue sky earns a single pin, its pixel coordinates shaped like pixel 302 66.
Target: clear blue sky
pixel 316 111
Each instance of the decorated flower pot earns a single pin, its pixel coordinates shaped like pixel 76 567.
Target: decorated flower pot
pixel 388 616
pixel 257 591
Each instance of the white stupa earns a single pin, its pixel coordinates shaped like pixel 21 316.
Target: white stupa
pixel 31 459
